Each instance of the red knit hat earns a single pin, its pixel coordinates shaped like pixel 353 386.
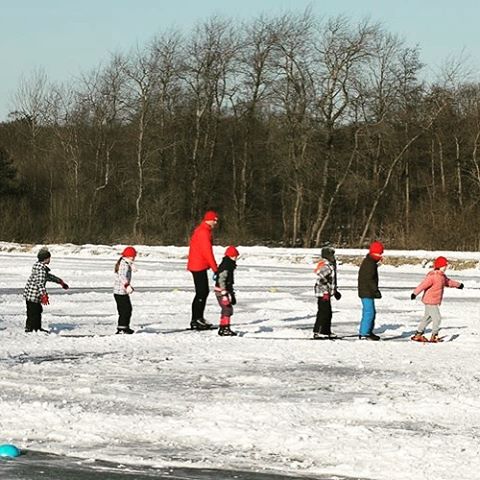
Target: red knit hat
pixel 440 262
pixel 210 215
pixel 129 252
pixel 231 251
pixel 376 249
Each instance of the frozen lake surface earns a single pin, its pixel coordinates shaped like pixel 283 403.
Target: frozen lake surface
pixel 168 401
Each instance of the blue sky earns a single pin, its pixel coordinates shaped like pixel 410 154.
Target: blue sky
pixel 67 37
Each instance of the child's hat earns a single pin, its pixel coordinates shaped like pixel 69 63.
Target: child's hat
pixel 210 215
pixel 231 251
pixel 376 249
pixel 440 262
pixel 43 254
pixel 328 253
pixel 129 252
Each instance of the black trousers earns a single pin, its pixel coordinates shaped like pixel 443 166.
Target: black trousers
pixel 201 293
pixel 34 316
pixel 323 323
pixel 124 308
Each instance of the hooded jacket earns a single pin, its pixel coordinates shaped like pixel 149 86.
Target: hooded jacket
pixel 368 279
pixel 200 254
pixel 433 286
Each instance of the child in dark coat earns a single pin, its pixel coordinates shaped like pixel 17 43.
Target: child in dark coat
pixel 35 293
pixel 368 290
pixel 224 290
pixel 325 287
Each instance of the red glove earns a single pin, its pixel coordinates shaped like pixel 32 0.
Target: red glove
pixel 64 285
pixel 326 297
pixel 44 300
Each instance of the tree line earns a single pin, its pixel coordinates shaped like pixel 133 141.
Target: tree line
pixel 297 130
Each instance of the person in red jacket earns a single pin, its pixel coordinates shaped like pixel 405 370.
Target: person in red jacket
pixel 432 287
pixel 200 259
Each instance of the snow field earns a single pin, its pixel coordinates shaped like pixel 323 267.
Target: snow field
pixel 269 399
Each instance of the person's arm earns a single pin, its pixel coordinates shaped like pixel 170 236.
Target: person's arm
pixel 207 249
pixel 452 283
pixel 427 283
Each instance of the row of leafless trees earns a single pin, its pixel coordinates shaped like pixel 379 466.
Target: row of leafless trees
pixel 297 130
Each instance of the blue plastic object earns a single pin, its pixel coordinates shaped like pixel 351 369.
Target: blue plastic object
pixel 8 450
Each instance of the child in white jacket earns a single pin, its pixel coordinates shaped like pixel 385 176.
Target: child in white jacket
pixel 325 288
pixel 123 288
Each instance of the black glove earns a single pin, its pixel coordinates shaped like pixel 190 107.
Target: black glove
pixel 233 299
pixel 377 294
pixel 337 295
pixel 460 287
pixel 413 296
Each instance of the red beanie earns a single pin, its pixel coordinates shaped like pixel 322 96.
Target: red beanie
pixel 210 215
pixel 231 252
pixel 376 249
pixel 129 252
pixel 440 262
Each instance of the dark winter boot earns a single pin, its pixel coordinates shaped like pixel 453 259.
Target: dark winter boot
pixel 200 324
pixel 324 336
pixel 435 338
pixel 371 337
pixel 124 331
pixel 226 332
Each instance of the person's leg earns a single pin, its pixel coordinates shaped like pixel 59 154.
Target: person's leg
pixel 34 316
pixel 368 317
pixel 226 313
pixel 323 323
pixel 425 321
pixel 200 280
pixel 124 308
pixel 436 319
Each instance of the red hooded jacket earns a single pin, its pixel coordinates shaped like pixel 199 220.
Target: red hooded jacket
pixel 200 255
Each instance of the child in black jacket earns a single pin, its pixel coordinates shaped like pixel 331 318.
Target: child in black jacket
pixel 35 293
pixel 224 290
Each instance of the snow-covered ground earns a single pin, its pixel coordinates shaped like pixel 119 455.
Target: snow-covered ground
pixel 270 399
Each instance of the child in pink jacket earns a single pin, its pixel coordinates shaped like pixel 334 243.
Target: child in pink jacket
pixel 432 287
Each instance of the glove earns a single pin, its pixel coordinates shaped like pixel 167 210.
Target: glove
pixel 44 300
pixel 214 276
pixel 460 287
pixel 64 285
pixel 413 296
pixel 377 294
pixel 225 300
pixel 325 297
pixel 129 289
pixel 233 299
pixel 337 295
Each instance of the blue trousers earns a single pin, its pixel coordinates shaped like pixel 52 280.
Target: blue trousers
pixel 368 316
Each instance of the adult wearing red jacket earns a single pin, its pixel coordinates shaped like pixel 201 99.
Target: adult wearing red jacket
pixel 200 259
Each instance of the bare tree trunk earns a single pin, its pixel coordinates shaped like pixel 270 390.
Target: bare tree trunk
pixel 382 190
pixel 140 164
pixel 338 187
pixel 442 164
pixel 458 165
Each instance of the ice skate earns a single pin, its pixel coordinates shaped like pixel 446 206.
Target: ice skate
pixel 226 332
pixel 124 331
pixel 419 337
